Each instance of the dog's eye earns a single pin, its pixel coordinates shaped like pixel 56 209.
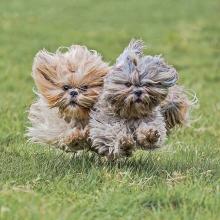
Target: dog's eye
pixel 66 87
pixel 128 84
pixel 84 88
pixel 147 85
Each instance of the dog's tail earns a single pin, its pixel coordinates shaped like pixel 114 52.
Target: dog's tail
pixel 177 106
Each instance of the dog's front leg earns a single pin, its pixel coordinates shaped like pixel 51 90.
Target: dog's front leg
pixel 111 140
pixel 124 144
pixel 151 134
pixel 75 139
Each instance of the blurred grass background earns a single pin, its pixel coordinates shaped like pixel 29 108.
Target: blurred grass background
pixel 180 182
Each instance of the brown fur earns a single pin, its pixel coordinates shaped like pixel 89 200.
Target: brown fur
pixel 176 107
pixel 68 83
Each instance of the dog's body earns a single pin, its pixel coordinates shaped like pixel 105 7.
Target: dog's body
pixel 113 136
pixel 138 105
pixel 49 128
pixel 68 85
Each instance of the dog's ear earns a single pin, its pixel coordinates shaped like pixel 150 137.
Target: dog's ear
pixel 128 60
pixel 44 68
pixel 156 71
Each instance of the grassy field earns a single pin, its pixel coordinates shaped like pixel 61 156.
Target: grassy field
pixel 180 182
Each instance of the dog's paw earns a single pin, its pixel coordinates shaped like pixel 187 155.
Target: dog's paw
pixel 74 135
pixel 85 132
pixel 126 145
pixel 122 147
pixel 126 142
pixel 152 136
pixel 148 138
pixel 75 140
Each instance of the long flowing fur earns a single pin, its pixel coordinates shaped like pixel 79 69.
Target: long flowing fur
pixel 139 103
pixel 176 107
pixel 48 128
pixel 68 86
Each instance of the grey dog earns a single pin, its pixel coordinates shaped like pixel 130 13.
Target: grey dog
pixel 138 106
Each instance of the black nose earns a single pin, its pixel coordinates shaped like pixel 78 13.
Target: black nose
pixel 138 93
pixel 73 93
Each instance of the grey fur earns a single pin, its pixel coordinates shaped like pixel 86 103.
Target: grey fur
pixel 124 120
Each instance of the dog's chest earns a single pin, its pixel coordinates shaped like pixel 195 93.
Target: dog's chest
pixel 132 124
pixel 81 124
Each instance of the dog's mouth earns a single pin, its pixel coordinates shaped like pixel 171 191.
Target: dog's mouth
pixel 73 103
pixel 138 100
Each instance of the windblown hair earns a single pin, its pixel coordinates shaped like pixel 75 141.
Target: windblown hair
pixel 132 73
pixel 78 69
pixel 177 106
pixel 134 110
pixel 68 85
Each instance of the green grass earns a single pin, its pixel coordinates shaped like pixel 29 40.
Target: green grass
pixel 180 182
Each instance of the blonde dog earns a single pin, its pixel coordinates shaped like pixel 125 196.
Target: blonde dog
pixel 68 85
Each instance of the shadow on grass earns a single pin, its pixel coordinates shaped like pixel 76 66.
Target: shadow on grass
pixel 51 163
pixel 141 164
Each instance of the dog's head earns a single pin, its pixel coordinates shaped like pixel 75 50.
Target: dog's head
pixel 137 84
pixel 70 81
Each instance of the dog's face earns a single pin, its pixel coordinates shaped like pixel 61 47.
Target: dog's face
pixel 70 81
pixel 136 84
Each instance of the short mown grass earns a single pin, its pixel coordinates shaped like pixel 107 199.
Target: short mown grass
pixel 182 181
